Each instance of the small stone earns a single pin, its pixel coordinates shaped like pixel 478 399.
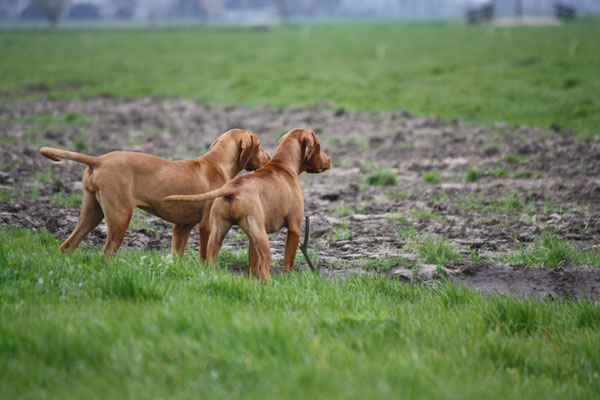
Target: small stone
pixel 403 273
pixel 427 272
pixel 331 220
pixel 500 125
pixel 447 271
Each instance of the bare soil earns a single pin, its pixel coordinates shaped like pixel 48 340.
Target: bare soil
pixel 531 179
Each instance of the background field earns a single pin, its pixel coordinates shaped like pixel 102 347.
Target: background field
pixel 524 75
pixel 500 206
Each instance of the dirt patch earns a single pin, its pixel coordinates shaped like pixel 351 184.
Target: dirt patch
pixel 567 280
pixel 495 189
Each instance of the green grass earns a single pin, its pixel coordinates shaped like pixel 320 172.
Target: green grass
pixel 522 173
pixel 513 158
pixel 442 68
pixel 498 172
pixel 6 195
pixel 398 218
pixel 431 176
pixel 381 177
pixel 397 195
pixel 473 174
pixel 147 326
pixel 46 178
pixel 507 204
pixel 341 230
pixel 8 165
pixel 343 210
pixel 141 220
pixel 515 203
pixel 493 147
pixel 331 145
pixel 384 264
pixel 433 249
pixel 71 117
pixel 551 251
pixel 427 213
pixel 69 200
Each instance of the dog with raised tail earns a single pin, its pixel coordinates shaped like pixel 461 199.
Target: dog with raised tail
pixel 265 201
pixel 115 183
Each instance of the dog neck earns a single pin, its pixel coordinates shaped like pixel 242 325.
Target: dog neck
pixel 221 154
pixel 289 154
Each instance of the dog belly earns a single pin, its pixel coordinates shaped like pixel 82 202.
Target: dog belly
pixel 274 226
pixel 182 218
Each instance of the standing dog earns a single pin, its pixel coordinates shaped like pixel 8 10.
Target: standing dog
pixel 265 201
pixel 115 183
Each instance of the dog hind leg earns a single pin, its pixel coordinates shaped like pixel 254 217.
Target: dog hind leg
pixel 204 230
pixel 181 234
pixel 217 233
pixel 255 230
pixel 91 215
pixel 118 212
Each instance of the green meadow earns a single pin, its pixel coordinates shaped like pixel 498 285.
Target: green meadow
pixel 522 75
pixel 146 326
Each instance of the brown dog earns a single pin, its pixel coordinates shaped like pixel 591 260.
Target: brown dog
pixel 265 201
pixel 115 183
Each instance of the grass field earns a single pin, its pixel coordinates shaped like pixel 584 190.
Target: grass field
pixel 525 75
pixel 145 326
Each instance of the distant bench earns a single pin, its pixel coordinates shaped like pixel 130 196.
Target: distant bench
pixel 563 11
pixel 483 13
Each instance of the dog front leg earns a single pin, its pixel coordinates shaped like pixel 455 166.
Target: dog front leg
pixel 291 246
pixel 252 260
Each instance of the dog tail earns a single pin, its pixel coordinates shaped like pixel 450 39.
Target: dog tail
pixel 222 192
pixel 57 154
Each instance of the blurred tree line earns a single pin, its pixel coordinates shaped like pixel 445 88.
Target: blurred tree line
pixel 53 10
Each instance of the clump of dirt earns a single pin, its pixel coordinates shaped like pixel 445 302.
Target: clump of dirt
pixel 490 190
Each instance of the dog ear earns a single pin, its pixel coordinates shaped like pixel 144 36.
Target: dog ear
pixel 311 143
pixel 247 146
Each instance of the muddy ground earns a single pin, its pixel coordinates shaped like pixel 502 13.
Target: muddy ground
pixel 530 180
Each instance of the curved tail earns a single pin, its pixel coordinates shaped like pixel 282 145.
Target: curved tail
pixel 222 192
pixel 57 154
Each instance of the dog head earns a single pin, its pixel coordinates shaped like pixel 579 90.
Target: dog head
pixel 251 156
pixel 314 160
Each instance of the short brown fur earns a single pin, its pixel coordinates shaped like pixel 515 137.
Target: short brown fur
pixel 265 201
pixel 115 183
